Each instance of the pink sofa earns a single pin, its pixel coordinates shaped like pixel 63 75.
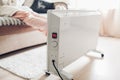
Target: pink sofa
pixel 21 36
pixel 17 37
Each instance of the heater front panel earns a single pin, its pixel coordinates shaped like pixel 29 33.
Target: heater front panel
pixel 77 35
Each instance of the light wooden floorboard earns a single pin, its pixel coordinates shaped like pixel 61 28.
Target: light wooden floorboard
pixel 5 75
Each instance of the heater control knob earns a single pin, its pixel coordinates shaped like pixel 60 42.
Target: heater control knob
pixel 54 43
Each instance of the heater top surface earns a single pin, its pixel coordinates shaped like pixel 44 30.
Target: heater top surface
pixel 71 13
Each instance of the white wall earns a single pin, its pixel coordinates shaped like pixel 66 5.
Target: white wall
pixel 80 4
pixel 93 4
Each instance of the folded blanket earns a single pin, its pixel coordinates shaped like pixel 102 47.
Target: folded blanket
pixel 6 21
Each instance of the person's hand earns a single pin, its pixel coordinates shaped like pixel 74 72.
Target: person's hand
pixel 21 15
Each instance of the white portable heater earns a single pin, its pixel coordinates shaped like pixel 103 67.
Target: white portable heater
pixel 71 33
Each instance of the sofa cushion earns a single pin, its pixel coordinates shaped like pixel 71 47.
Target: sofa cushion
pixel 8 30
pixel 41 6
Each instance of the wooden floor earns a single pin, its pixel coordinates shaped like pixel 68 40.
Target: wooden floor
pixel 5 75
pixel 90 68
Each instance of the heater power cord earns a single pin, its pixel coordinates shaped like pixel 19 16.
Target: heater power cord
pixel 53 61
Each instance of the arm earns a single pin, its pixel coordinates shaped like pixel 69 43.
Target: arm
pixel 36 22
